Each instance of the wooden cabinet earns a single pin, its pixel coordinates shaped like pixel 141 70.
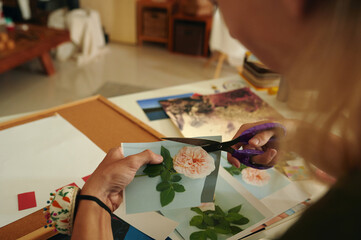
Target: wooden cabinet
pixel 190 34
pixel 153 18
pixel 159 21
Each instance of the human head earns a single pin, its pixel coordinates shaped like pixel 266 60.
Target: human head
pixel 316 45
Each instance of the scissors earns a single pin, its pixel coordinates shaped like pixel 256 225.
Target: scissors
pixel 244 156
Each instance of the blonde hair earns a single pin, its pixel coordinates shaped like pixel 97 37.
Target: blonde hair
pixel 330 66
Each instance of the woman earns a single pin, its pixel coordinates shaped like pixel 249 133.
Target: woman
pixel 316 45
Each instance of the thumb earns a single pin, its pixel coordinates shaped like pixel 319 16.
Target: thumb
pixel 260 139
pixel 145 157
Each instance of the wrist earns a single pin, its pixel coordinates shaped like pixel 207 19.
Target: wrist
pixel 97 191
pixel 93 207
pixel 93 199
pixel 92 221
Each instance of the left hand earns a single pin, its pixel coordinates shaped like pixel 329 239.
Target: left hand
pixel 258 141
pixel 114 173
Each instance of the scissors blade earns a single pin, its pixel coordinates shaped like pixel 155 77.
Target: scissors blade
pixel 193 141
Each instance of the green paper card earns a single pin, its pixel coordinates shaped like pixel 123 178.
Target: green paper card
pixel 186 178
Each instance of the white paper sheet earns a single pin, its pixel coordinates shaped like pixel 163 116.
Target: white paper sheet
pixel 279 195
pixel 42 156
pixel 228 195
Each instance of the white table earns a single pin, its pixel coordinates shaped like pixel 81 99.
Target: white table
pixel 166 127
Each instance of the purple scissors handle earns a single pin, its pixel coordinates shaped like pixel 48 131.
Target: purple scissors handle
pixel 245 156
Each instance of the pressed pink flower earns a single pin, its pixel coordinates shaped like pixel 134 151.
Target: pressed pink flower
pixel 193 162
pixel 255 177
pixel 207 206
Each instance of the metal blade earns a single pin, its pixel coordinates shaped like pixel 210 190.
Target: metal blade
pixel 193 141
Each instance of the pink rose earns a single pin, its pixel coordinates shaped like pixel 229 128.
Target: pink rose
pixel 255 177
pixel 193 162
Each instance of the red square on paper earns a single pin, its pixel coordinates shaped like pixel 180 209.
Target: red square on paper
pixel 26 200
pixel 86 178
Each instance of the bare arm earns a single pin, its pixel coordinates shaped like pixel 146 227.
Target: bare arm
pixel 107 183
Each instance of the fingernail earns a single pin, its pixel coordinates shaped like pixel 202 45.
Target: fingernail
pixel 159 157
pixel 255 141
pixel 272 153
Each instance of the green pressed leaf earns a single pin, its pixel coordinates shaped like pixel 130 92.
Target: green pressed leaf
pixel 178 187
pixel 165 175
pixel 167 159
pixel 166 196
pixel 197 210
pixel 233 170
pixel 163 186
pixel 236 209
pixel 236 229
pixel 224 223
pixel 209 212
pixel 202 226
pixel 217 217
pixel 201 235
pixel 208 220
pixel 242 166
pixel 241 221
pixel 219 210
pixel 211 234
pixel 153 170
pixel 196 220
pixel 176 178
pixel 222 229
pixel 232 217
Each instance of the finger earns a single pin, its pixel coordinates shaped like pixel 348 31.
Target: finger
pixel 233 160
pixel 265 158
pixel 252 147
pixel 243 128
pixel 260 139
pixel 114 154
pixel 274 161
pixel 145 157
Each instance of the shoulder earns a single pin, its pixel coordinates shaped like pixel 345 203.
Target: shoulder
pixel 335 215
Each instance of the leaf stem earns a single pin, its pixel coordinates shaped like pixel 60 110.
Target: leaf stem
pixel 141 175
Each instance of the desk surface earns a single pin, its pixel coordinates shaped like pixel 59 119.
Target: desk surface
pixel 166 127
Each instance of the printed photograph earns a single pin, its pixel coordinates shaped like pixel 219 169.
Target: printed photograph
pixel 230 214
pixel 154 110
pixel 186 178
pixel 217 114
pixel 261 183
pixel 271 187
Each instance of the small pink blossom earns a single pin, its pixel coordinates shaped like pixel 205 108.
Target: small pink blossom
pixel 255 177
pixel 193 162
pixel 207 206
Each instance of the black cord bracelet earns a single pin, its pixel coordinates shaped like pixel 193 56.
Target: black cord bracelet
pixel 92 198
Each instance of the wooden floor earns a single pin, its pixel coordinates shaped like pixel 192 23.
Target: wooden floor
pixel 120 70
